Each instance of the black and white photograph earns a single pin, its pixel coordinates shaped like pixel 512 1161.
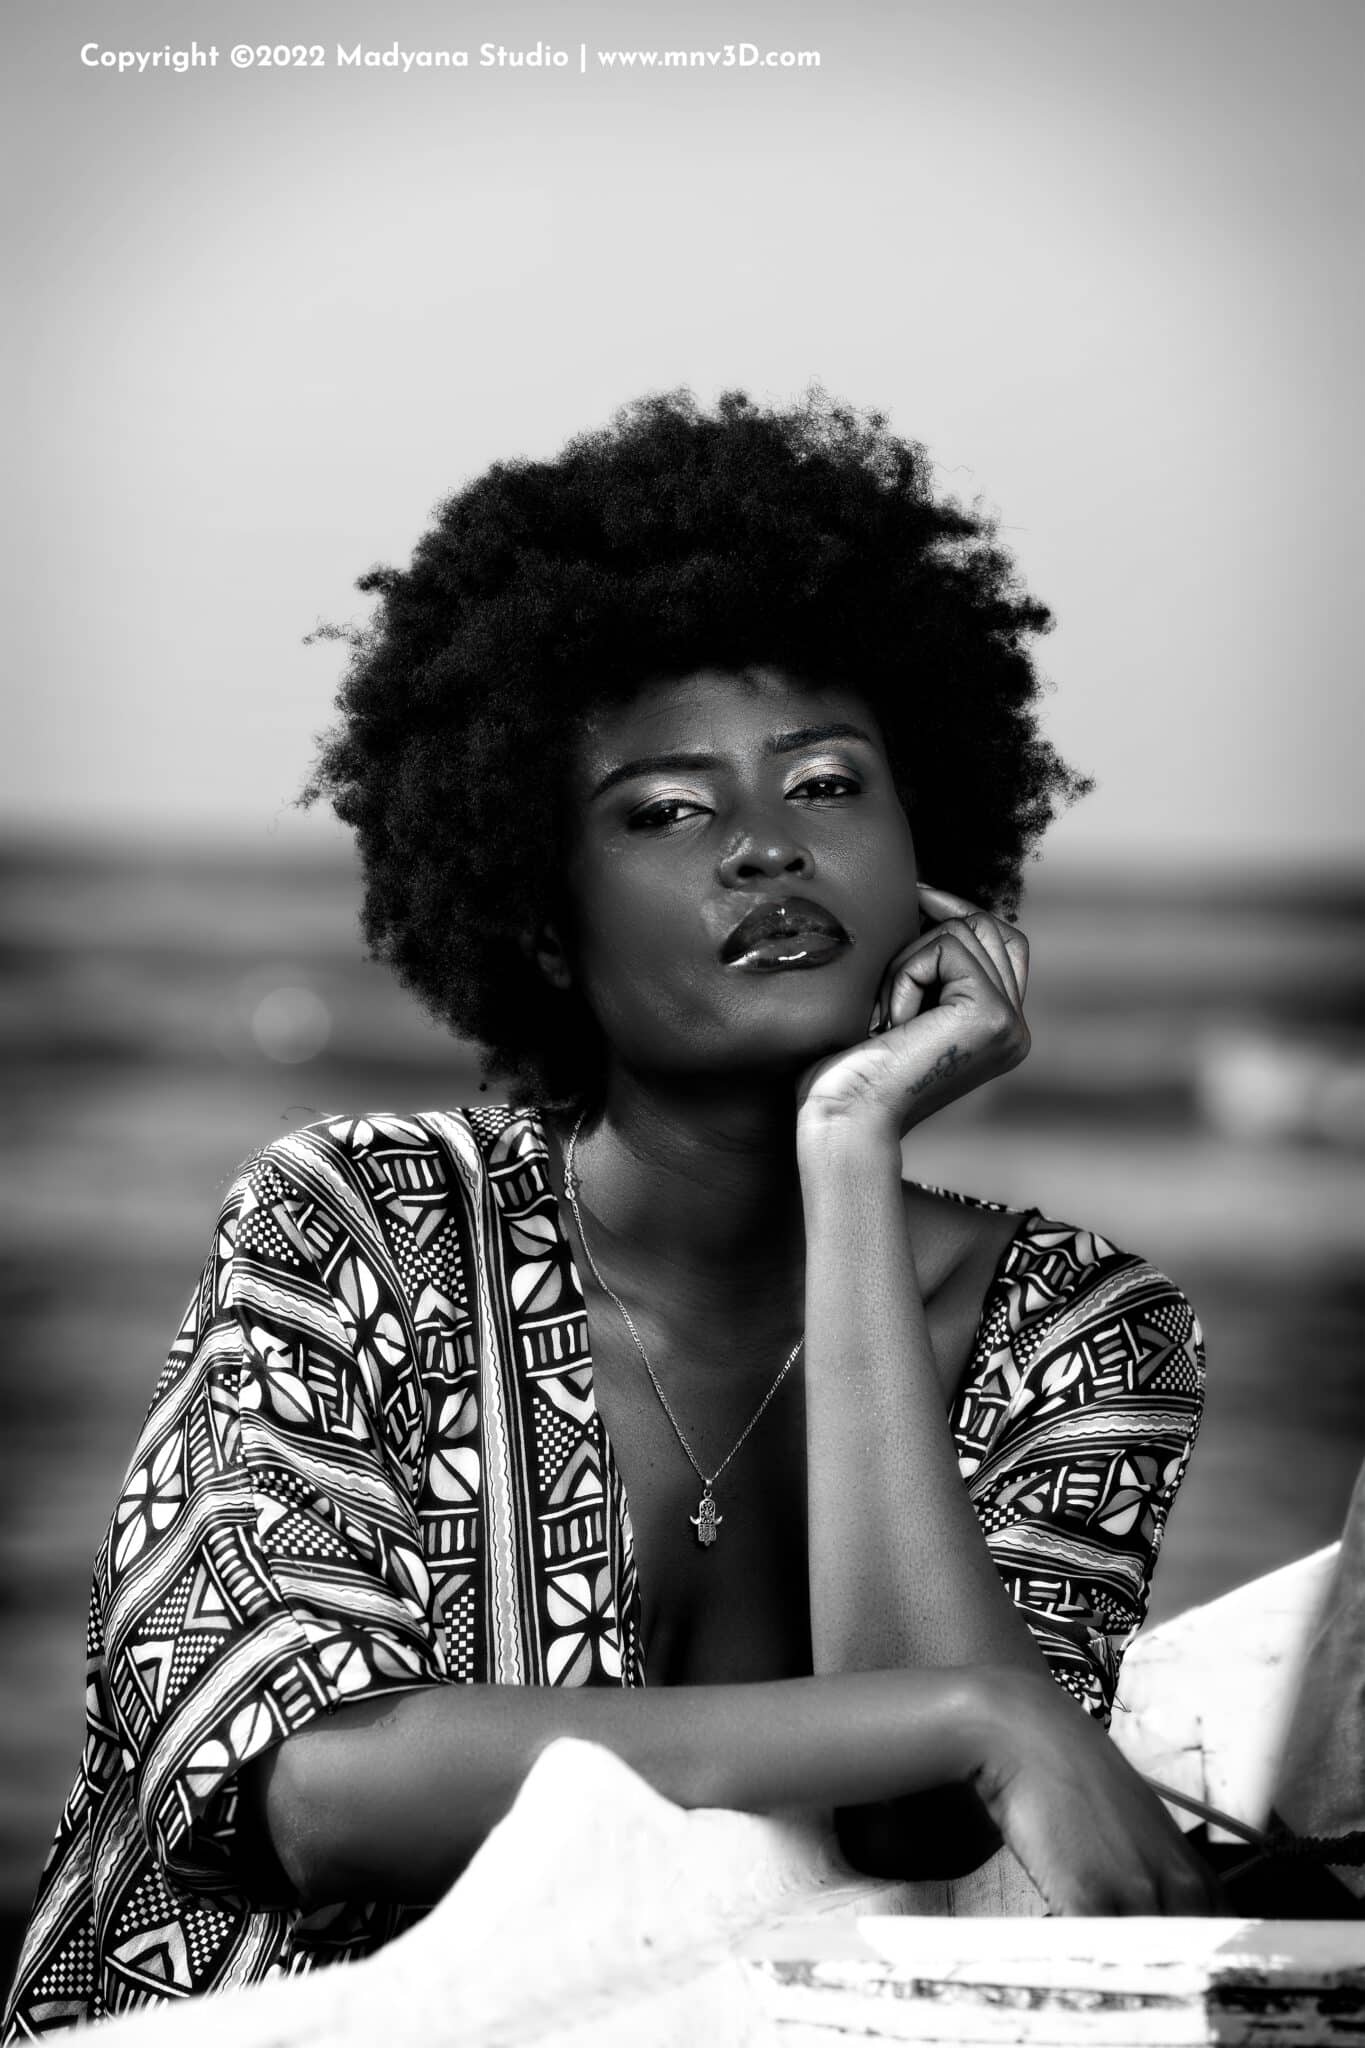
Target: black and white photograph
pixel 682 890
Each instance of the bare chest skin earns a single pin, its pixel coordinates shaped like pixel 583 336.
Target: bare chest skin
pixel 739 1609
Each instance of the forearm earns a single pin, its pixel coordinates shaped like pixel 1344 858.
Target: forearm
pixel 390 1798
pixel 900 1574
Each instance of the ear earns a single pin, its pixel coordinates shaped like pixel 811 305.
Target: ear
pixel 545 949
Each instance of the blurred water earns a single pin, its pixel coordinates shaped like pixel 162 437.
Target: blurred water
pixel 163 1014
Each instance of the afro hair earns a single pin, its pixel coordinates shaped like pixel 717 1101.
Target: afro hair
pixel 805 539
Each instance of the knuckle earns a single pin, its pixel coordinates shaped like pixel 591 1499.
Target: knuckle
pixel 1008 1032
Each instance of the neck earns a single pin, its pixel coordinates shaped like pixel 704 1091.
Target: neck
pixel 702 1181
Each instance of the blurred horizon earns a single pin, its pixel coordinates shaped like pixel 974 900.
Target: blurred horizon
pixel 303 838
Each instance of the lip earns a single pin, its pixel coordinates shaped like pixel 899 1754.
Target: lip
pixel 792 933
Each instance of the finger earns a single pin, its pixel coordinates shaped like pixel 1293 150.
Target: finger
pixel 912 996
pixel 942 904
pixel 948 904
pixel 881 1009
pixel 991 934
pixel 951 955
pixel 1016 945
pixel 1007 947
pixel 901 996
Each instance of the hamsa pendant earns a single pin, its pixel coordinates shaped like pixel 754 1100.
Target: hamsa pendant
pixel 706 1521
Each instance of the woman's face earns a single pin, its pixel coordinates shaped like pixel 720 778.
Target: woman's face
pixel 740 873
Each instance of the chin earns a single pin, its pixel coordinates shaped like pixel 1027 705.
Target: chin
pixel 774 1025
pixel 798 1035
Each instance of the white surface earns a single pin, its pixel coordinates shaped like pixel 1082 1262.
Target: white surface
pixel 1209 1693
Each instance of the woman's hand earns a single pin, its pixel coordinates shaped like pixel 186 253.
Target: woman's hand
pixel 949 1015
pixel 1089 1832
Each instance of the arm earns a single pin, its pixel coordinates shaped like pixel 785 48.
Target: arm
pixel 390 1798
pixel 1076 1480
pixel 901 1566
pixel 899 1570
pixel 900 1575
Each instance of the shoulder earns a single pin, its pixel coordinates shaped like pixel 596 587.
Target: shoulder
pixel 1068 1282
pixel 1088 1345
pixel 1065 1315
pixel 344 1159
pixel 1049 1269
pixel 404 1195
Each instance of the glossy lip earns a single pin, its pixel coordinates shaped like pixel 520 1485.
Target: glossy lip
pixel 792 933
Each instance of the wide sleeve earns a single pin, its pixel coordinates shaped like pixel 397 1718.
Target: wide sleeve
pixel 1100 1385
pixel 264 1563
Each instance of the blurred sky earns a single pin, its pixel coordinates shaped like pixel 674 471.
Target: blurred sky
pixel 1103 259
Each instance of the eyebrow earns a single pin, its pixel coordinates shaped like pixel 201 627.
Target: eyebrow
pixel 780 743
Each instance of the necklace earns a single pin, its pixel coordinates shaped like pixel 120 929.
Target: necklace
pixel 706 1521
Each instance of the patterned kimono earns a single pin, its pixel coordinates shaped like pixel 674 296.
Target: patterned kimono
pixel 374 1461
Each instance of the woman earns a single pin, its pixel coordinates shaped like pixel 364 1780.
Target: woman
pixel 680 768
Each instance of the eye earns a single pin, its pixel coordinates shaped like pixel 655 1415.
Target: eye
pixel 825 784
pixel 661 812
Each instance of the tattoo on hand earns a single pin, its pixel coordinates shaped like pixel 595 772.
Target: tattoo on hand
pixel 945 1065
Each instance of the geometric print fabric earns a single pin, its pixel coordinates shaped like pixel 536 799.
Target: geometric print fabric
pixel 374 1461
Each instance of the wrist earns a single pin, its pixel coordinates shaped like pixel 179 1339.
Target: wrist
pixel 1007 1714
pixel 834 1131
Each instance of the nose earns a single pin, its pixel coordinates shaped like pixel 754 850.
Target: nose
pixel 767 851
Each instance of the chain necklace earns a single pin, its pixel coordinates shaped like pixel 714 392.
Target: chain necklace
pixel 706 1521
